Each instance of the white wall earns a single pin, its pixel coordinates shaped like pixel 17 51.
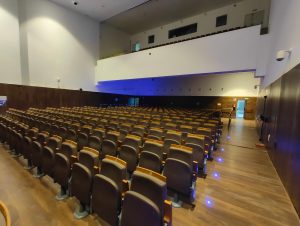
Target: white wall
pixel 206 22
pixel 233 84
pixel 113 41
pixel 231 51
pixel 60 43
pixel 284 34
pixel 10 71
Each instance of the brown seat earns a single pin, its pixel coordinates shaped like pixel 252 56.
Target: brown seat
pixel 180 180
pixel 82 140
pixel 133 141
pixel 99 132
pixel 155 133
pixel 71 135
pixel 138 130
pixel 147 214
pixel 36 151
pixel 48 154
pixel 129 154
pixel 154 146
pixel 113 136
pixel 153 187
pixel 182 153
pixel 114 169
pixel 107 190
pixel 81 187
pixel 90 158
pixel 150 160
pixel 106 199
pixel 62 167
pixel 27 143
pixel 200 157
pixel 108 148
pixel 95 142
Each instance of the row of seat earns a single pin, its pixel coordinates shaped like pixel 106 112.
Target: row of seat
pixel 103 190
pixel 57 148
pixel 111 140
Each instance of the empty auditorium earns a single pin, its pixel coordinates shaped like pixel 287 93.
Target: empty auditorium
pixel 149 113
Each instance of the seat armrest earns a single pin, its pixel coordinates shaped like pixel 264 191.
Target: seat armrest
pixel 140 149
pixel 168 213
pixel 195 167
pixel 125 185
pixel 165 155
pixel 96 170
pixel 206 149
pixel 73 159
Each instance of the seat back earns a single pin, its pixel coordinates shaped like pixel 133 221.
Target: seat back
pixel 82 140
pixel 108 148
pixel 81 183
pixel 90 158
pixel 95 142
pixel 130 155
pixel 182 153
pixel 133 141
pixel 106 199
pixel 198 153
pixel 154 146
pixel 99 132
pixel 87 129
pixel 115 169
pixel 155 133
pixel 68 148
pixel 147 213
pixel 150 184
pixel 150 160
pixel 113 136
pixel 71 135
pixel 195 139
pixel 62 170
pixel 179 176
pixel 54 143
pixel 174 135
pixel 138 130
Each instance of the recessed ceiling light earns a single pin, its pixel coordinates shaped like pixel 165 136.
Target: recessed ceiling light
pixel 75 2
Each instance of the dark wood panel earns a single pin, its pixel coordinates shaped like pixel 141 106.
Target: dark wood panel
pixel 23 97
pixel 283 129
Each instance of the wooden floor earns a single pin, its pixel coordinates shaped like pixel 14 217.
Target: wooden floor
pixel 242 188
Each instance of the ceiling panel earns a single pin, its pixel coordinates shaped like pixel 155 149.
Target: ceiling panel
pixel 156 13
pixel 100 9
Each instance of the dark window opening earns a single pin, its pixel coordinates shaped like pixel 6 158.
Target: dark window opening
pixel 151 39
pixel 189 29
pixel 221 20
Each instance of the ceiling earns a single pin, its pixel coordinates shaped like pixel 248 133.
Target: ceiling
pixel 155 13
pixel 100 9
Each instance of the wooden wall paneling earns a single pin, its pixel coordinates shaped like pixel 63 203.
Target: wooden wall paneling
pixel 283 126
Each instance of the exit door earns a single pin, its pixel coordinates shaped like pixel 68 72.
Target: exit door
pixel 240 109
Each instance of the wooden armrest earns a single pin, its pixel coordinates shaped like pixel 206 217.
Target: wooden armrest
pixel 74 159
pixel 165 155
pixel 168 212
pixel 125 185
pixel 195 167
pixel 96 169
pixel 206 149
pixel 5 213
pixel 194 177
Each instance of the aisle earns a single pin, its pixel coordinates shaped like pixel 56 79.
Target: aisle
pixel 242 186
